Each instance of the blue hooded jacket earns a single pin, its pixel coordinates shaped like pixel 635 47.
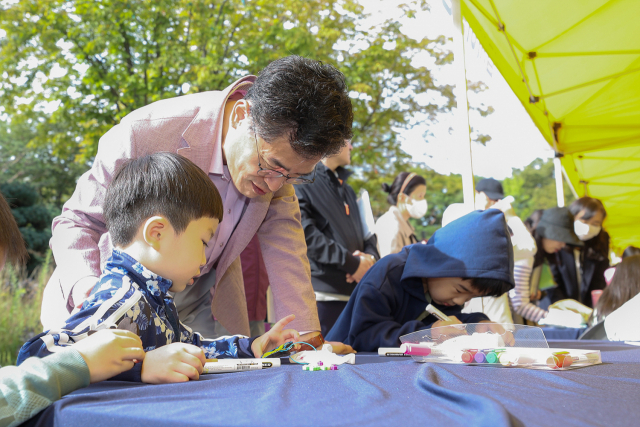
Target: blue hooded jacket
pixel 390 296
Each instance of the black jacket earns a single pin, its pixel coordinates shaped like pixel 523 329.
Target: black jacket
pixel 332 236
pixel 563 268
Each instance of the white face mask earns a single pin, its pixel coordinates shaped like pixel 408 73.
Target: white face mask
pixel 585 231
pixel 418 208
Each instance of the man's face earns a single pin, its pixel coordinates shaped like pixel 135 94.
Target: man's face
pixel 241 148
pixel 450 291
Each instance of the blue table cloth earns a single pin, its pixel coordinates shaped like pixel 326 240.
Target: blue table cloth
pixel 377 391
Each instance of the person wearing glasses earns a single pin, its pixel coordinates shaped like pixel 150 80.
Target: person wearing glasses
pixel 253 139
pixel 338 251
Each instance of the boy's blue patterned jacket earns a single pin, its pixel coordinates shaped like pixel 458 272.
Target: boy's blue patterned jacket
pixel 129 296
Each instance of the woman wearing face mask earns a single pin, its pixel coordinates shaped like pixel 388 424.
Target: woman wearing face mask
pixel 406 197
pixel 580 270
pixel 552 229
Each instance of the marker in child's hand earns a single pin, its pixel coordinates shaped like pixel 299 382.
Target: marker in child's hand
pixel 440 315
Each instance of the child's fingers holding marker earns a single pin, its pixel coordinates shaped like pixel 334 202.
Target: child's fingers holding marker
pixel 196 353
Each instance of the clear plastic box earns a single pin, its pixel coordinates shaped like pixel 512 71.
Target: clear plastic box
pixel 493 345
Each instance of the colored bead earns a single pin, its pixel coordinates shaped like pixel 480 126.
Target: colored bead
pixel 320 363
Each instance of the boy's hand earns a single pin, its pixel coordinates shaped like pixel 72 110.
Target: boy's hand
pixel 173 363
pixel 453 329
pixel 275 337
pixel 109 352
pixel 496 328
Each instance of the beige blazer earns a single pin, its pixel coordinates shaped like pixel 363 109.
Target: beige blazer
pixel 186 125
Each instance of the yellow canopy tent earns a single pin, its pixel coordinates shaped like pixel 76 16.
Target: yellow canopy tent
pixel 575 66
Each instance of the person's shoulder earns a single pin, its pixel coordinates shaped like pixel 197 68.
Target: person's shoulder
pixel 387 221
pixel 180 107
pixel 110 283
pixel 386 271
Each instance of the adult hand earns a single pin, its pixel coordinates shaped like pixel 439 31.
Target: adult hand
pixel 450 328
pixel 275 337
pixel 496 328
pixel 340 348
pixel 366 262
pixel 109 352
pixel 173 363
pixel 81 291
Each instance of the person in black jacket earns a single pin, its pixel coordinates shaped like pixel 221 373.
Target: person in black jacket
pixel 339 252
pixel 579 270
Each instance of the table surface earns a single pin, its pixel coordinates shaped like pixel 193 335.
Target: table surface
pixel 375 391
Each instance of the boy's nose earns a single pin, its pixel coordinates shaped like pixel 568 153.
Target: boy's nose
pixel 274 183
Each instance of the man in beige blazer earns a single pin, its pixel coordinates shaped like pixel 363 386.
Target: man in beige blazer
pixel 254 139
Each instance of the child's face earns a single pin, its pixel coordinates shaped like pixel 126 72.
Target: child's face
pixel 182 255
pixel 450 291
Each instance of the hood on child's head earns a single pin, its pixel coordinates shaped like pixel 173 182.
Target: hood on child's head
pixel 475 245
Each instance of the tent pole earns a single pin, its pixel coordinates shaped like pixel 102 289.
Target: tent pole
pixel 462 129
pixel 559 184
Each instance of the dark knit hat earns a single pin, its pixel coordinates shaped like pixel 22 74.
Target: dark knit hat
pixel 557 224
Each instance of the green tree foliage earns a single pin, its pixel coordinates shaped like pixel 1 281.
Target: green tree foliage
pixel 534 187
pixel 33 219
pixel 98 61
pixel 53 177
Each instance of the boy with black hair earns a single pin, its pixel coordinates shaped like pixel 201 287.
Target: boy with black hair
pixel 161 210
pixel 470 257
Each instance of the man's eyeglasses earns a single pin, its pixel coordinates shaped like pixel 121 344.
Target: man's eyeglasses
pixel 270 173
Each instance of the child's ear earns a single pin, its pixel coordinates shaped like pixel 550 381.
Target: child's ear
pixel 155 230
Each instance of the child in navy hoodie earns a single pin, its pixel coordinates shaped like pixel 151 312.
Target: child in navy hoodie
pixel 468 258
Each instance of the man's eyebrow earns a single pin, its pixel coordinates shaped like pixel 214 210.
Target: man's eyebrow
pixel 279 165
pixel 212 233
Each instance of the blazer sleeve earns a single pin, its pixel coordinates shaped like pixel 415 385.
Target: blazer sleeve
pixel 285 256
pixel 321 248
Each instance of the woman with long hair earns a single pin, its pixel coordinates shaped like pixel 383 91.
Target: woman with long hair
pixel 624 286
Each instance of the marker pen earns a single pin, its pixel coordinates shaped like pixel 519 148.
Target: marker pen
pixel 440 315
pixel 468 356
pixel 412 349
pixel 392 351
pixel 564 360
pixel 238 365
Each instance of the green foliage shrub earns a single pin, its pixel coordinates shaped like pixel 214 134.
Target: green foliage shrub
pixel 20 302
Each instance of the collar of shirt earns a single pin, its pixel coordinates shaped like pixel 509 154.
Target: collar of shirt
pixel 122 264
